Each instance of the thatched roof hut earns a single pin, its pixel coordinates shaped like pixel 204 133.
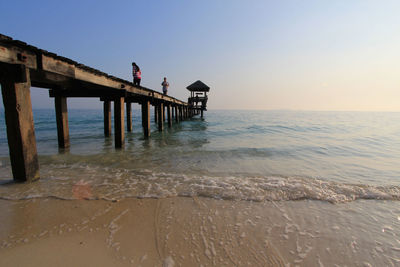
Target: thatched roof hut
pixel 198 86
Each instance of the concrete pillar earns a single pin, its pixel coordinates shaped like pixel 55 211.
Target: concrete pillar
pixel 146 118
pixel 107 118
pixel 128 116
pixel 62 121
pixel 19 122
pixel 119 126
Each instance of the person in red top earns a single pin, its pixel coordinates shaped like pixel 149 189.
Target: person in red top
pixel 134 70
pixel 137 77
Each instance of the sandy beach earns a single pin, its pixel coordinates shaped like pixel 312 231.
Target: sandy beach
pixel 194 232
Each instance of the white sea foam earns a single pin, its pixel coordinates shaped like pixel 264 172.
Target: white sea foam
pixel 88 182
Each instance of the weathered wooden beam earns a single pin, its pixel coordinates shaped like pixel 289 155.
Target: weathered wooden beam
pixel 202 113
pixel 146 118
pixel 13 72
pixel 59 66
pixel 45 79
pixel 20 128
pixel 62 121
pixel 136 98
pixel 160 110
pixel 119 127
pixel 128 116
pixel 49 70
pixel 83 92
pixel 169 116
pixel 107 118
pixel 16 55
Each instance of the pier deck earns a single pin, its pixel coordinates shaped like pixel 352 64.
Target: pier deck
pixel 23 66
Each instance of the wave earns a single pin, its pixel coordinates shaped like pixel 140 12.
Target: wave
pixel 87 182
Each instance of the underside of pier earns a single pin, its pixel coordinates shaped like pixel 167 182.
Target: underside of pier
pixel 23 66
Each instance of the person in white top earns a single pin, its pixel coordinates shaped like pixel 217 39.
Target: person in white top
pixel 165 86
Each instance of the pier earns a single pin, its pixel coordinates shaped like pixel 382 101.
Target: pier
pixel 23 66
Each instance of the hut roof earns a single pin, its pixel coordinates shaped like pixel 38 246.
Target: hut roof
pixel 198 86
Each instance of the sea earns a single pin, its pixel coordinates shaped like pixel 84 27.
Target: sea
pixel 229 154
pixel 319 188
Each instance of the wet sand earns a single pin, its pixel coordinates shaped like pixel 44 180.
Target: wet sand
pixel 198 232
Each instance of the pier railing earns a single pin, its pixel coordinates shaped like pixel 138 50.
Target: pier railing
pixel 23 66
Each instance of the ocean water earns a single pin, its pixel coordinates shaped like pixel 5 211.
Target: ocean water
pixel 308 188
pixel 242 155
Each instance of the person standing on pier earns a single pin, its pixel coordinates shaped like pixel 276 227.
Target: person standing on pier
pixel 134 70
pixel 165 86
pixel 136 73
pixel 138 77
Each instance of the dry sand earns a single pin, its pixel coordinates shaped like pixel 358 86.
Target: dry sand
pixel 187 232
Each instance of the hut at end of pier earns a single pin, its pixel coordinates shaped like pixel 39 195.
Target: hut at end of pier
pixel 198 97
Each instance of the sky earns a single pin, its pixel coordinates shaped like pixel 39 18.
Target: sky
pixel 254 54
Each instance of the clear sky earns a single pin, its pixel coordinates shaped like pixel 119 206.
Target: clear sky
pixel 300 55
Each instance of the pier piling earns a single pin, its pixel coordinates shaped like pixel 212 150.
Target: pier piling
pixel 119 126
pixel 160 109
pixel 19 122
pixel 62 121
pixel 169 116
pixel 176 114
pixel 164 113
pixel 107 118
pixel 155 113
pixel 128 116
pixel 181 113
pixel 146 118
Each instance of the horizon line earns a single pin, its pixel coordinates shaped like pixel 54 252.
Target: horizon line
pixel 242 109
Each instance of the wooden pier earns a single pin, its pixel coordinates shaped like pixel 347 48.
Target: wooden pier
pixel 23 66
